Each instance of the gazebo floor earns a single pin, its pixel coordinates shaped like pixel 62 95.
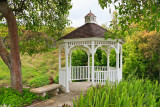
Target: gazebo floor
pixel 76 87
pixel 65 98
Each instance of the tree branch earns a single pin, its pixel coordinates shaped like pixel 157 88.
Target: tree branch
pixel 1 17
pixel 4 54
pixel 21 8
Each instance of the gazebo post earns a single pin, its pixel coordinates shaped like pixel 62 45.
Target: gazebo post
pixel 108 53
pixel 70 64
pixel 92 45
pixel 66 75
pixel 117 62
pixel 121 61
pixel 88 66
pixel 59 58
pixel 59 63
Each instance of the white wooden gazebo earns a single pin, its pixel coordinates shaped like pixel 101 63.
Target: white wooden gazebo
pixel 89 37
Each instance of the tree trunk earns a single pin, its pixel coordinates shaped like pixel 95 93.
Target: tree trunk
pixel 12 60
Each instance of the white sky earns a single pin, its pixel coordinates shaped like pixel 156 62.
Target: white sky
pixel 82 7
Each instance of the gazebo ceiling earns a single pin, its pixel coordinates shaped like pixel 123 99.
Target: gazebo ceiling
pixel 86 31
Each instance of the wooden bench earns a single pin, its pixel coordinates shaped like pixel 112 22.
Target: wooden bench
pixel 53 89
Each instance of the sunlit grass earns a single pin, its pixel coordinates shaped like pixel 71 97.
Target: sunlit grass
pixel 33 68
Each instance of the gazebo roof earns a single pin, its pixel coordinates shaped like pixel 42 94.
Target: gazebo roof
pixel 86 31
pixel 89 30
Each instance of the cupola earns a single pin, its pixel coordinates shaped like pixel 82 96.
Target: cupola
pixel 90 18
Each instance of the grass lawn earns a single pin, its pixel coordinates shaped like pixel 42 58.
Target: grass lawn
pixel 36 69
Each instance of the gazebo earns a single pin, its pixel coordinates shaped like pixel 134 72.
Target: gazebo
pixel 89 37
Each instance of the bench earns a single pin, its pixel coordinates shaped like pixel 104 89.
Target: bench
pixel 53 89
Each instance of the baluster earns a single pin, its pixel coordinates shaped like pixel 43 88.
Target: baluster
pixel 113 76
pixel 110 75
pixel 104 77
pixel 86 73
pixel 71 73
pixel 76 72
pixel 83 72
pixel 95 77
pixel 98 77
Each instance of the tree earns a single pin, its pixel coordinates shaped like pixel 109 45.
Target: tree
pixel 144 12
pixel 51 15
pixel 149 45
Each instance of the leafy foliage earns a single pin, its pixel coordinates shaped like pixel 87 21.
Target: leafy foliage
pixel 145 13
pixel 13 98
pixel 40 23
pixel 52 14
pixel 132 92
pixel 141 54
pixel 79 58
pixel 39 81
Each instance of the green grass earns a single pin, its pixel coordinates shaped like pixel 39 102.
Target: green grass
pixel 36 70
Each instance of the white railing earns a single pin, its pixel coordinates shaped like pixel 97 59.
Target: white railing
pixel 62 77
pixel 100 68
pixel 112 68
pixel 101 74
pixel 79 72
pixel 100 77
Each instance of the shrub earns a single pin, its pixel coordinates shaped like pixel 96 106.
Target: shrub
pixel 39 81
pixel 13 98
pixel 56 79
pixel 128 93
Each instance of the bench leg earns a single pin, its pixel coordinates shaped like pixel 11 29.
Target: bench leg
pixel 54 92
pixel 42 94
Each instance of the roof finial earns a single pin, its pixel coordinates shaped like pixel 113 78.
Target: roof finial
pixel 90 11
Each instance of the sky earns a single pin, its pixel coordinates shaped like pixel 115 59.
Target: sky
pixel 82 7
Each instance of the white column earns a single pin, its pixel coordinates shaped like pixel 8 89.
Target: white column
pixel 121 61
pixel 92 45
pixel 70 64
pixel 117 62
pixel 59 57
pixel 66 75
pixel 88 66
pixel 59 65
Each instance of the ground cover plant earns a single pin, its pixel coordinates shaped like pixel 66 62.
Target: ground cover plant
pixel 13 98
pixel 132 92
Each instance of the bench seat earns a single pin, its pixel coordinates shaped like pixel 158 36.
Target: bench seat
pixel 52 89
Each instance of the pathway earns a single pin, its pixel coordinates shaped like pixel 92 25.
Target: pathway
pixel 65 98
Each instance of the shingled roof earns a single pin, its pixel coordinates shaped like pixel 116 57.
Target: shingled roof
pixel 90 14
pixel 86 31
